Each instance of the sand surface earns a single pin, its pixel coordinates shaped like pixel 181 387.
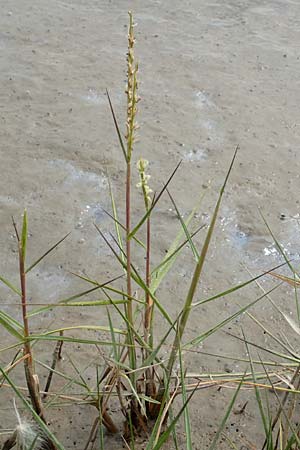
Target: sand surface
pixel 213 75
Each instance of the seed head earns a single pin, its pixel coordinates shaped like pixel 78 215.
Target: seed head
pixel 142 165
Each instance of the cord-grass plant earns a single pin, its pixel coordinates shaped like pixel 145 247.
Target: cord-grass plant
pixel 134 372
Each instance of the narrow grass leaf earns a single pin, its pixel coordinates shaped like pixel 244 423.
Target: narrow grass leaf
pixel 155 430
pixel 80 375
pixel 117 126
pixel 51 401
pixel 153 355
pixel 165 435
pixel 75 296
pixel 83 327
pixel 278 245
pixel 58 373
pixel 287 418
pixel 257 392
pixel 235 288
pixel 47 253
pixel 184 227
pixel 137 278
pixel 187 421
pixel 87 303
pixel 200 338
pixel 10 285
pixel 99 398
pixel 197 273
pixel 138 241
pixel 113 337
pixel 223 423
pixel 115 217
pixel 159 272
pixel 266 349
pixel 10 327
pixel 72 340
pixel 291 281
pixel 11 320
pixel 272 335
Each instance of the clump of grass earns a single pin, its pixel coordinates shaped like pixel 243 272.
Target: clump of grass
pixel 134 373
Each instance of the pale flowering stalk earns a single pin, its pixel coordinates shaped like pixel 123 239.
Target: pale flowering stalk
pixel 131 126
pixel 148 335
pixel 131 91
pixel 142 165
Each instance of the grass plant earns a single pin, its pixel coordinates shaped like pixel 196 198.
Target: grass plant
pixel 131 368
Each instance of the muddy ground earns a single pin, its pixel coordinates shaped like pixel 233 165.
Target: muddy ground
pixel 213 75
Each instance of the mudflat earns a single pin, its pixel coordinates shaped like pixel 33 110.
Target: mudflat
pixel 213 75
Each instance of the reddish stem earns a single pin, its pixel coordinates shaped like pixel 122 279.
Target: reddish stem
pixel 31 378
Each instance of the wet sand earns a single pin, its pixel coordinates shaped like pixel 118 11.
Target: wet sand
pixel 213 75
